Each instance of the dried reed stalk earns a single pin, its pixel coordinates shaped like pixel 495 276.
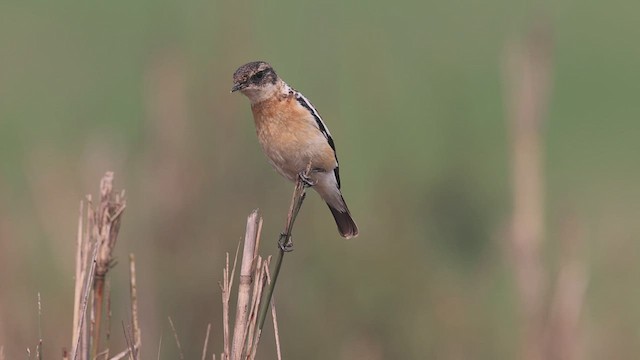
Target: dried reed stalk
pixel 261 272
pixel 105 232
pixel 227 283
pixel 254 275
pixel 80 328
pixel 96 239
pixel 206 342
pixel 275 322
pixel 39 346
pixel 564 330
pixel 244 285
pixel 80 279
pixel 177 339
pixel 137 338
pixel 134 340
pixel 528 86
pixel 159 347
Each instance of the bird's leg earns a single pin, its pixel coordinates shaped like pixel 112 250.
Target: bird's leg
pixel 285 243
pixel 306 180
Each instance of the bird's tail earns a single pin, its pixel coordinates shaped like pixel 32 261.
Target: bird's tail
pixel 346 226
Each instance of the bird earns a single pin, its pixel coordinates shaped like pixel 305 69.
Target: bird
pixel 294 137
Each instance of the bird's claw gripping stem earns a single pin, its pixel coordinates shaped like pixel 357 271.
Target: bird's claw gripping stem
pixel 306 180
pixel 284 243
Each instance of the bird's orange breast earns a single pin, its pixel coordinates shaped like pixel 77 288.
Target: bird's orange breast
pixel 290 138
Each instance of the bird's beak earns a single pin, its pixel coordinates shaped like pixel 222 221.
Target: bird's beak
pixel 238 86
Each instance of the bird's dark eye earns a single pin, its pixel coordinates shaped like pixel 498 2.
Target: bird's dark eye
pixel 259 75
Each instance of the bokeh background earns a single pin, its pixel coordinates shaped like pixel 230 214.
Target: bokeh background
pixel 414 95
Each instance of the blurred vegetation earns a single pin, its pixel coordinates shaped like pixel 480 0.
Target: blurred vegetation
pixel 413 95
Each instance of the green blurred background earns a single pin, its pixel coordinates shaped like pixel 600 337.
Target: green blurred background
pixel 413 95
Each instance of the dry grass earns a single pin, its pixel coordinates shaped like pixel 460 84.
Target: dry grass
pixel 98 228
pixel 177 338
pixel 550 327
pixel 98 231
pixel 254 277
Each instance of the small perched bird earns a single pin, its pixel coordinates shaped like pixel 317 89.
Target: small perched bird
pixel 294 137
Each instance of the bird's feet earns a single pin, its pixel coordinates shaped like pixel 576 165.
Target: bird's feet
pixel 285 243
pixel 306 180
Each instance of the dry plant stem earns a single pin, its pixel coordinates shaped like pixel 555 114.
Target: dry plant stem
pixel 529 68
pixel 39 346
pixel 159 347
pixel 285 240
pixel 206 342
pixel 105 232
pixel 564 331
pixel 98 293
pixel 260 273
pixel 134 340
pixel 129 340
pixel 108 326
pixel 121 354
pixel 85 300
pixel 79 276
pixel 96 237
pixel 225 309
pixel 175 336
pixel 103 355
pixel 87 262
pixel 255 303
pixel 244 286
pixel 227 282
pixel 137 339
pixel 275 327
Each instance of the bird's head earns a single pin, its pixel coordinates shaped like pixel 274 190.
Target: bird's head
pixel 257 80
